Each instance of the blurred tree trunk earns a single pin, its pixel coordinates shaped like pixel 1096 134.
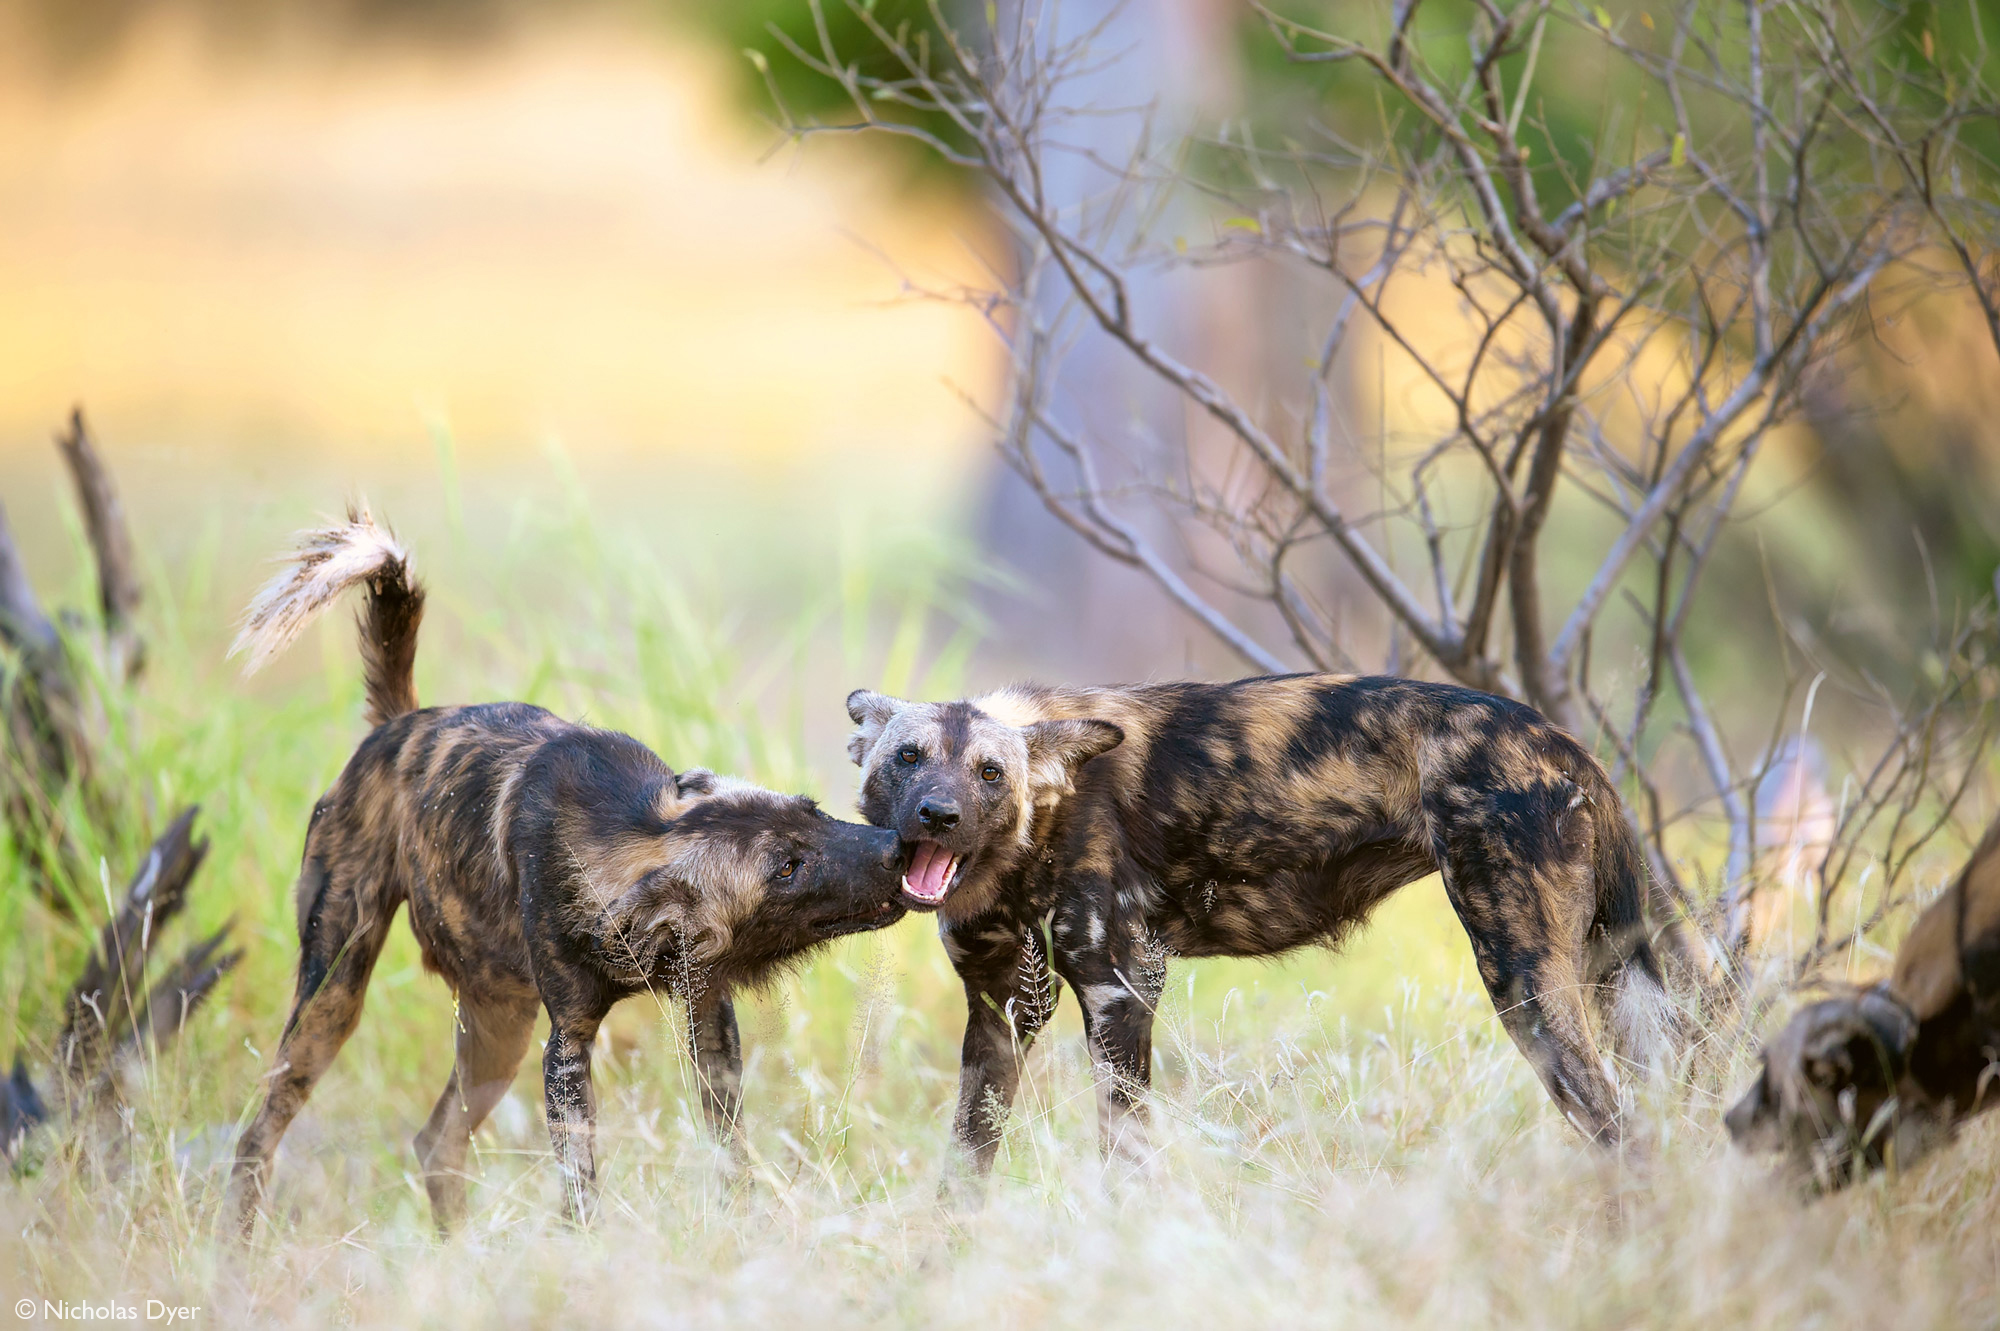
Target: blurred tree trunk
pixel 1087 616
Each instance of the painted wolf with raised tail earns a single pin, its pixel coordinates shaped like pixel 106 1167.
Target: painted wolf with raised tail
pixel 546 865
pixel 1086 835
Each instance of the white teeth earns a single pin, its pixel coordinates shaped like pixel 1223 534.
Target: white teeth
pixel 921 896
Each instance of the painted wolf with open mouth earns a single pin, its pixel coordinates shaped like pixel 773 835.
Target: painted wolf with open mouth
pixel 546 865
pixel 1245 819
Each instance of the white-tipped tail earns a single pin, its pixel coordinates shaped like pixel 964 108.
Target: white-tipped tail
pixel 325 563
pixel 1644 1023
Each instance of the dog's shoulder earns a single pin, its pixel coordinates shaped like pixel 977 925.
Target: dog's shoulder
pixel 610 779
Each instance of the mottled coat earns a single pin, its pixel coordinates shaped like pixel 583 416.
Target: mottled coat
pixel 546 866
pixel 1244 819
pixel 1886 1073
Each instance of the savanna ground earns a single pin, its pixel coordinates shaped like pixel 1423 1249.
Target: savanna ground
pixel 1340 1138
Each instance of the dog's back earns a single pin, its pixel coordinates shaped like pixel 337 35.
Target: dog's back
pixel 1266 780
pixel 420 814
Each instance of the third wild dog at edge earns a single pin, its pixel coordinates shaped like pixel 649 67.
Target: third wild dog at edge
pixel 1245 819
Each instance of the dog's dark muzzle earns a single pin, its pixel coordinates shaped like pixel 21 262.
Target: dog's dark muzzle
pixel 938 838
pixel 868 887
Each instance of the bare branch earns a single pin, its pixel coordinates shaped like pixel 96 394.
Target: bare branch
pixel 111 544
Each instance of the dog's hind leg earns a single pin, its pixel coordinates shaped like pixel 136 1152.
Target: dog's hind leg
pixel 492 1038
pixel 1542 1008
pixel 718 1064
pixel 340 938
pixel 1527 917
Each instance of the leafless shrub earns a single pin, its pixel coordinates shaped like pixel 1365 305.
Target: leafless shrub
pixel 1628 331
pixel 1894 809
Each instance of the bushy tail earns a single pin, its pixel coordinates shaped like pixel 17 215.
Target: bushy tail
pixel 326 563
pixel 1641 1013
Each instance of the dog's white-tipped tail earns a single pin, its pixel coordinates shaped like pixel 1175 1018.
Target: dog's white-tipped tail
pixel 325 563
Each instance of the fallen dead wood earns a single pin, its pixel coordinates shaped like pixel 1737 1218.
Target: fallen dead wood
pixel 49 700
pixel 61 676
pixel 113 1018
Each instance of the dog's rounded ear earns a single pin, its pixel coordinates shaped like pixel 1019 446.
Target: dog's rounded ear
pixel 870 711
pixel 660 899
pixel 1892 1028
pixel 1859 1041
pixel 1057 748
pixel 1828 1062
pixel 696 781
pixel 684 788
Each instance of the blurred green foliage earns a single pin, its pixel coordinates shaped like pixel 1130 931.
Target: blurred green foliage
pixel 1590 108
pixel 781 40
pixel 762 36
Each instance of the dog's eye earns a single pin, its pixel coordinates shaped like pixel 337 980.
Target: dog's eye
pixel 909 755
pixel 791 867
pixel 989 773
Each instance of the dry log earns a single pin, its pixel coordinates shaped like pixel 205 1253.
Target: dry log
pixel 46 711
pixel 111 544
pixel 109 993
pixel 111 1015
pixel 47 708
pixel 41 720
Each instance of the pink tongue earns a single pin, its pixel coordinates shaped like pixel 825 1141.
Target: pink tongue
pixel 928 868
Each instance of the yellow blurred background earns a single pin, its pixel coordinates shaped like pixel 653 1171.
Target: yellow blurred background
pixel 570 231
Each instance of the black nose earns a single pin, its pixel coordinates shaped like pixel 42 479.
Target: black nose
pixel 938 815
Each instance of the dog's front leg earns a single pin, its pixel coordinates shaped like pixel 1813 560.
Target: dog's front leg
pixel 572 1109
pixel 718 1063
pixel 1010 996
pixel 1118 981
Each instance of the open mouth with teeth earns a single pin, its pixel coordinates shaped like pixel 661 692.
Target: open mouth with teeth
pixel 933 872
pixel 872 918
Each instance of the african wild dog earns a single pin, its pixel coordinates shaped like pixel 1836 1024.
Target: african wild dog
pixel 546 865
pixel 1886 1073
pixel 1244 819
